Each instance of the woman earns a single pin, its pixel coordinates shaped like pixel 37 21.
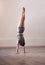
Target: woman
pixel 20 30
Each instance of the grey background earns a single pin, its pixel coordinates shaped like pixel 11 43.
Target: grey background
pixel 10 13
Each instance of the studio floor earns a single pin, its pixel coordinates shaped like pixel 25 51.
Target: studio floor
pixel 33 56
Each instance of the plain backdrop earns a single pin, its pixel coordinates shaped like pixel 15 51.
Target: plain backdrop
pixel 10 13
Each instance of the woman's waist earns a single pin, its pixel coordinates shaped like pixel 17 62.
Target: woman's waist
pixel 21 34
